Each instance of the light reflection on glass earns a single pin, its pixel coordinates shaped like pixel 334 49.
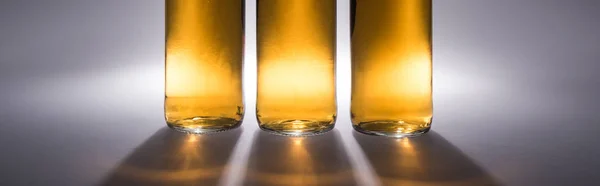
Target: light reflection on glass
pixel 203 64
pixel 296 66
pixel 391 66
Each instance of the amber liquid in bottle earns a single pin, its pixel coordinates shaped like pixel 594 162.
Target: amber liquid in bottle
pixel 391 66
pixel 204 48
pixel 296 66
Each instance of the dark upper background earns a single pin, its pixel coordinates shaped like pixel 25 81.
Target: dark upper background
pixel 515 89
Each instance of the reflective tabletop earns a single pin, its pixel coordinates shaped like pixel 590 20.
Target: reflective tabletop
pixel 515 103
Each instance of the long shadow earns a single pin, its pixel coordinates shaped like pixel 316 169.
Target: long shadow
pixel 175 158
pixel 315 160
pixel 426 160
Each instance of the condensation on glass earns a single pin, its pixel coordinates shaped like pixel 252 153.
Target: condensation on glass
pixel 296 66
pixel 204 48
pixel 391 67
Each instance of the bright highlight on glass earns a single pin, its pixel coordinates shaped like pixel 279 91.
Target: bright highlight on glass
pixel 204 48
pixel 391 67
pixel 296 66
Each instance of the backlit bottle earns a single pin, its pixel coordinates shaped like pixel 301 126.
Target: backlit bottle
pixel 391 66
pixel 296 66
pixel 204 48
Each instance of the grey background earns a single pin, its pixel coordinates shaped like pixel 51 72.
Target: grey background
pixel 515 97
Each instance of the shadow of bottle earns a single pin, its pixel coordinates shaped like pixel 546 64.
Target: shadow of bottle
pixel 315 160
pixel 175 158
pixel 424 160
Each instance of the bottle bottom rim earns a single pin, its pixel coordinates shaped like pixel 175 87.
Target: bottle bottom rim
pixel 204 124
pixel 394 129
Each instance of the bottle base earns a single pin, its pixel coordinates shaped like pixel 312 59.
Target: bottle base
pixel 297 127
pixel 395 129
pixel 204 124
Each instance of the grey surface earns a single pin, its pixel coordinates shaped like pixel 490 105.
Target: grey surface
pixel 515 95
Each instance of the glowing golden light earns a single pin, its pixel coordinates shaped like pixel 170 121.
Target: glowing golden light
pixel 392 66
pixel 204 47
pixel 192 138
pixel 297 141
pixel 296 62
pixel 168 175
pixel 406 144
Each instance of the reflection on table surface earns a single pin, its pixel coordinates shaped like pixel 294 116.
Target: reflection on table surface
pixel 315 160
pixel 174 158
pixel 425 160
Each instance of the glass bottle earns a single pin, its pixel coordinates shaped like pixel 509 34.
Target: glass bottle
pixel 296 66
pixel 204 55
pixel 391 67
